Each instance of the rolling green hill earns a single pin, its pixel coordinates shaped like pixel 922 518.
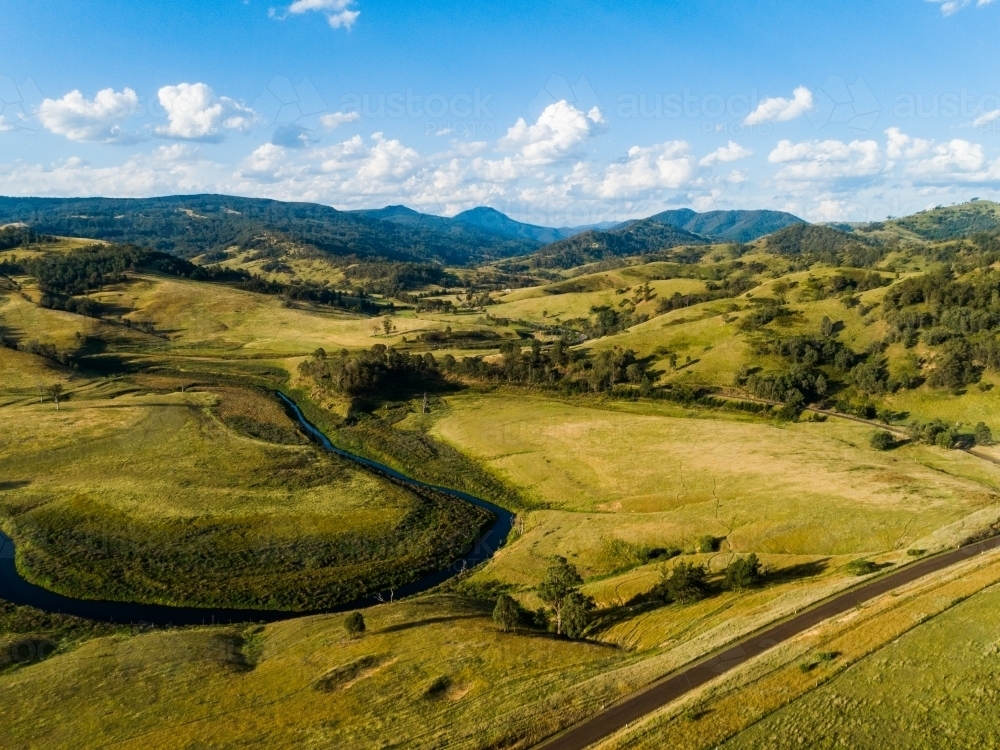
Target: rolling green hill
pixel 636 238
pixel 727 226
pixel 950 222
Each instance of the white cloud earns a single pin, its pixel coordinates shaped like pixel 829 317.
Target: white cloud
pixel 95 120
pixel 267 162
pixel 665 166
pixel 196 113
pixel 928 162
pixel 986 118
pixel 779 109
pixel 828 210
pixel 561 129
pixel 901 146
pixel 339 13
pixel 951 7
pixel 5 124
pixel 726 154
pixel 336 119
pixel 819 161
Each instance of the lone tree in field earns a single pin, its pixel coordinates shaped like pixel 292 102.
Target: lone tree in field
pixel 55 391
pixel 883 441
pixel 743 573
pixel 507 613
pixel 984 436
pixel 354 624
pixel 561 580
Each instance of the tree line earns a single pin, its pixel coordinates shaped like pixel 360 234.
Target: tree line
pixel 384 369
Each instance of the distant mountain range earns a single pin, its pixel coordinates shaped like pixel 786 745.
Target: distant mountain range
pixel 482 218
pixel 193 225
pixel 664 231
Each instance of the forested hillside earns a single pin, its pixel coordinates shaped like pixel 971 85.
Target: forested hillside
pixel 193 225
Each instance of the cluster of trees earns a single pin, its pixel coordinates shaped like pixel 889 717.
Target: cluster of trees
pixel 803 381
pixel 943 435
pixel 934 432
pixel 558 366
pixel 83 270
pixel 87 306
pixel 566 609
pixel 385 369
pixel 811 351
pixel 816 243
pixel 795 387
pixel 766 311
pixel 46 350
pixel 687 582
pixel 393 278
pixel 607 320
pixel 18 235
pixel 458 339
pixel 369 372
pixel 960 317
pixel 841 284
pixel 730 287
pixel 433 304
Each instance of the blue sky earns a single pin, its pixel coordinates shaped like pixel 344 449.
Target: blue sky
pixel 559 113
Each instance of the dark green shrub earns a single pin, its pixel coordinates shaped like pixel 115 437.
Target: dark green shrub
pixel 354 624
pixel 685 583
pixel 861 567
pixel 576 614
pixel 743 573
pixel 883 441
pixel 508 613
pixel 707 543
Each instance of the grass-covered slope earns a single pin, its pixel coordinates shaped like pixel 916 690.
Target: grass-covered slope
pixel 428 673
pixel 211 498
pixel 944 223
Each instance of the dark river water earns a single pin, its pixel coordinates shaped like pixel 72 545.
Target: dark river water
pixel 15 589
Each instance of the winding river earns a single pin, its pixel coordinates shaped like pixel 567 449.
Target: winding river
pixel 17 590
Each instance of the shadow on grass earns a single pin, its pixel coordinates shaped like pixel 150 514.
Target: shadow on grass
pixel 14 485
pixel 429 621
pixel 606 618
pixel 796 572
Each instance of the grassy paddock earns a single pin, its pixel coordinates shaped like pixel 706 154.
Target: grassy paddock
pixel 427 673
pixel 639 473
pixel 153 498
